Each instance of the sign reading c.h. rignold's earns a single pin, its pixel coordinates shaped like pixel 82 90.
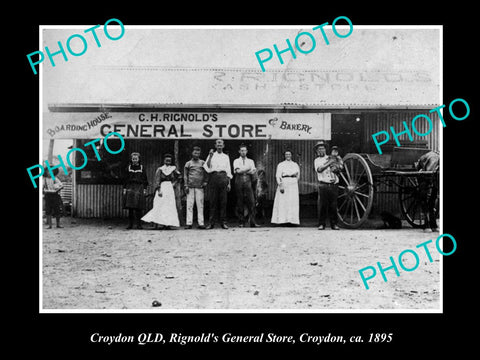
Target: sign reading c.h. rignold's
pixel 187 125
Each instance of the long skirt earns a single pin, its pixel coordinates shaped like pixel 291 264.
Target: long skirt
pixel 134 198
pixel 286 205
pixel 164 210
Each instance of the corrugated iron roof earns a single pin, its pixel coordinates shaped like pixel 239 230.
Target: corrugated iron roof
pixel 371 69
pixel 249 87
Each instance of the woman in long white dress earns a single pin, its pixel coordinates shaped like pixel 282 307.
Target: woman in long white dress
pixel 164 210
pixel 286 203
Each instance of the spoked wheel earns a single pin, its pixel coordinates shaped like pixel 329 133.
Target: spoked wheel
pixel 412 192
pixel 355 192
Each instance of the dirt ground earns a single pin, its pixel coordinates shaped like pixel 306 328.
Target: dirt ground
pixel 98 264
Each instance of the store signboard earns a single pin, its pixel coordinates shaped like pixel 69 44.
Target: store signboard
pixel 187 125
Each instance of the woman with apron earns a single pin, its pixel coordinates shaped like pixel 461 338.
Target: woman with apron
pixel 164 211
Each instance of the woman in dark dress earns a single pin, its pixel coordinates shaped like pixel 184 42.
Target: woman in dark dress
pixel 134 190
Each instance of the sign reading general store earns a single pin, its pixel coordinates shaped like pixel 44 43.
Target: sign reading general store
pixel 188 125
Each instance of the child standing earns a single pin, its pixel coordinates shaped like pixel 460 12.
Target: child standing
pixel 134 190
pixel 53 200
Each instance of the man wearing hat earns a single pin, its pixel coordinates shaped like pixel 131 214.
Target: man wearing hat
pixel 327 186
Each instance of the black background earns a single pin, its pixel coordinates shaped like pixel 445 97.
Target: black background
pixel 61 335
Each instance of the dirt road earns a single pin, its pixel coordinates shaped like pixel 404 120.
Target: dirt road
pixel 94 264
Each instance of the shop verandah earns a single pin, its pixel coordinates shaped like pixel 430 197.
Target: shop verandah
pixel 98 187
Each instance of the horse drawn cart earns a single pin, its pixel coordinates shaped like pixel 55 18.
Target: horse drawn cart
pixel 363 173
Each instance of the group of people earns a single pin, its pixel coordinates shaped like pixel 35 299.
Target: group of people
pixel 215 173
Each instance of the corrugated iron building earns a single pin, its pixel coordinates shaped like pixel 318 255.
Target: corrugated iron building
pixel 344 106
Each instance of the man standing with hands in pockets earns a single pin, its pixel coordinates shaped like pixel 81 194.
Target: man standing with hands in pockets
pixel 218 166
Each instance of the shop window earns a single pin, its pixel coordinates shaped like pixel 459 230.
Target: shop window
pixel 109 170
pixel 347 133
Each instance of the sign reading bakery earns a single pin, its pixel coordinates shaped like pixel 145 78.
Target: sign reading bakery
pixel 187 125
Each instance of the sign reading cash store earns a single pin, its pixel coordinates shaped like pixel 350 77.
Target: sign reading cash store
pixel 188 125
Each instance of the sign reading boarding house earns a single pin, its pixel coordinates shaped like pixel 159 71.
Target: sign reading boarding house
pixel 187 125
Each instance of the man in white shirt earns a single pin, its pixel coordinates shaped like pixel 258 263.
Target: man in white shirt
pixel 244 169
pixel 218 166
pixel 327 188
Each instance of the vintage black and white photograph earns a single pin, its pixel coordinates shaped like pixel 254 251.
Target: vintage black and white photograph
pixel 241 168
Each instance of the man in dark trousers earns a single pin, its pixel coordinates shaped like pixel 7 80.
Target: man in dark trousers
pixel 327 187
pixel 218 166
pixel 244 169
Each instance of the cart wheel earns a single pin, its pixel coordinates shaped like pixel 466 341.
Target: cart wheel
pixel 411 193
pixel 355 192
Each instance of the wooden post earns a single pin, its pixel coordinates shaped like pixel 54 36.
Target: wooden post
pixel 175 151
pixel 73 210
pixel 50 151
pixel 178 184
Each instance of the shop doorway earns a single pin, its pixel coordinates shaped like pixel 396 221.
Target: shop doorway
pixel 347 133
